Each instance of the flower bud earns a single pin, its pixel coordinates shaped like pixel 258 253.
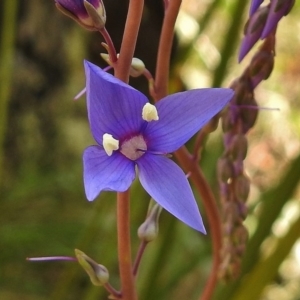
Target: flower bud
pixel 242 188
pixel 238 147
pixel 225 169
pixel 253 30
pixel 98 274
pixel 148 231
pixel 248 115
pixel 137 67
pixel 212 125
pixel 242 89
pixel 261 67
pixel 90 14
pixel 278 9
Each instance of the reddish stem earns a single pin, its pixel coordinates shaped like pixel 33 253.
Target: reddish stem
pixel 164 50
pixel 189 165
pixel 185 159
pixel 139 257
pixel 132 26
pixel 111 48
pixel 124 246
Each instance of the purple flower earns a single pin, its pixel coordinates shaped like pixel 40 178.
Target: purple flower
pixel 278 9
pixel 88 13
pixel 253 30
pixel 133 133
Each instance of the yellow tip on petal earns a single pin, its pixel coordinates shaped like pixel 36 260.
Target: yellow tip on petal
pixel 110 144
pixel 149 113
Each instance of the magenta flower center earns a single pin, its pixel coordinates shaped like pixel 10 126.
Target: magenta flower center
pixel 134 147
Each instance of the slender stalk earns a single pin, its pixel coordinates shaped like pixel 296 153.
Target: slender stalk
pixel 124 247
pixel 212 212
pixel 132 26
pixel 164 49
pixel 139 257
pixel 185 159
pixel 111 48
pixel 9 14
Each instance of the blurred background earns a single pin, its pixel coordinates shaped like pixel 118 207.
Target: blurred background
pixel 43 133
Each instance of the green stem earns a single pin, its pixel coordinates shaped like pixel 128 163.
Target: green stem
pixel 9 14
pixel 124 247
pixel 132 26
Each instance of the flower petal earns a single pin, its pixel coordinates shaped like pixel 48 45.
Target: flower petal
pixel 181 115
pixel 113 106
pixel 167 185
pixel 105 173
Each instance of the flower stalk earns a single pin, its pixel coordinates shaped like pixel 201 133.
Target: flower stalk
pixel 124 246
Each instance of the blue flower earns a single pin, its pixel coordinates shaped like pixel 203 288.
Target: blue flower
pixel 131 133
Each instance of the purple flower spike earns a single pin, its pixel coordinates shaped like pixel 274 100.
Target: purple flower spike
pixel 253 30
pixel 254 6
pixel 131 132
pixel 278 9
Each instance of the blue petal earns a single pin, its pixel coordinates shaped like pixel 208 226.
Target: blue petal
pixel 105 173
pixel 181 115
pixel 167 185
pixel 113 106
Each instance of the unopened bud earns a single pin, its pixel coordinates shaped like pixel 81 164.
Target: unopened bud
pixel 242 188
pixel 261 67
pixel 137 67
pixel 225 169
pixel 249 113
pixel 253 30
pixel 148 231
pixel 238 147
pixel 212 125
pixel 278 9
pixel 242 88
pixel 98 273
pixel 240 235
pixel 90 14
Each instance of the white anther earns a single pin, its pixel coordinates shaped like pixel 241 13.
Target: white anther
pixel 149 113
pixel 110 144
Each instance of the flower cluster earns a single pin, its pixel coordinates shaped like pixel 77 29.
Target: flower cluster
pixel 131 133
pixel 262 21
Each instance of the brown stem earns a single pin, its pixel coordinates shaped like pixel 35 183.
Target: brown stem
pixel 112 291
pixel 124 246
pixel 212 212
pixel 132 26
pixel 185 159
pixel 111 48
pixel 139 257
pixel 164 49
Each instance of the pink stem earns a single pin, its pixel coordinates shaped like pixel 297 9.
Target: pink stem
pixel 124 247
pixel 132 26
